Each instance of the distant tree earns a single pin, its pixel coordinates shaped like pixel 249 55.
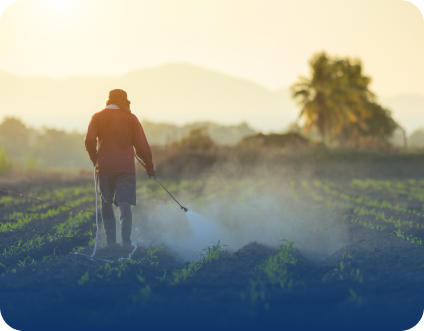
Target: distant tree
pixel 14 137
pixel 165 133
pixel 336 100
pixel 416 139
pixel 378 122
pixel 5 163
pixel 197 140
pixel 293 127
pixel 57 148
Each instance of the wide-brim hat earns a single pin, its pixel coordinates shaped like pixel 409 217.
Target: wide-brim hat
pixel 118 95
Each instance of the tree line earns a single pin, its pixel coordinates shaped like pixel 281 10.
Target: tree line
pixel 47 147
pixel 26 147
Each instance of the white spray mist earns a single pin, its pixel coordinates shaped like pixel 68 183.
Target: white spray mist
pixel 237 212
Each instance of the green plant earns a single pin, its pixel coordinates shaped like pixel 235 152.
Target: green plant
pixel 275 271
pixel 5 163
pixel 22 263
pixel 76 249
pixel 355 298
pixel 84 278
pixel 357 276
pixel 275 266
pixel 151 251
pixel 8 269
pixel 211 252
pixel 162 279
pixel 143 295
pixel 46 257
pixel 184 273
pixel 255 294
pixel 31 163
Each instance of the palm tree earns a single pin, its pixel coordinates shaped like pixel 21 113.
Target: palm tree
pixel 334 96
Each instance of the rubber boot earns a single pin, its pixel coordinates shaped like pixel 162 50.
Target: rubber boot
pixel 110 229
pixel 126 225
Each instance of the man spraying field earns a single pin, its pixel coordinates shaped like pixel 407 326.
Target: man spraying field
pixel 112 136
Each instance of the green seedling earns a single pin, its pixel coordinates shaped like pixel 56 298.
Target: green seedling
pixel 140 278
pixel 275 267
pixel 54 252
pixel 275 271
pixel 355 298
pixel 76 249
pixel 143 295
pixel 347 255
pixel 22 263
pixel 92 241
pixel 46 257
pixel 20 219
pixel 152 250
pixel 162 279
pixel 182 274
pixel 211 252
pixel 358 277
pixel 255 294
pixel 84 278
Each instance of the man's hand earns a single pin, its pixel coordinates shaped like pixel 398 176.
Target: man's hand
pixel 151 173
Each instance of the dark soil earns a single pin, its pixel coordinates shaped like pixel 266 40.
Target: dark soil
pixel 387 293
pixel 47 296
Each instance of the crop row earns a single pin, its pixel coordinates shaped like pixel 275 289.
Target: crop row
pixel 364 200
pixel 409 188
pixel 362 208
pixel 56 195
pixel 66 229
pixel 17 220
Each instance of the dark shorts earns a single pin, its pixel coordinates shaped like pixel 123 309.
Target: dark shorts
pixel 121 186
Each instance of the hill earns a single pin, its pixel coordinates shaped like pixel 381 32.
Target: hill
pixel 408 110
pixel 177 93
pixel 173 93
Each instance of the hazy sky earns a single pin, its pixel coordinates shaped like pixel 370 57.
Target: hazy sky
pixel 267 41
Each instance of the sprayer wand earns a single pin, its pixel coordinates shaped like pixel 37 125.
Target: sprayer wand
pixel 183 208
pixel 144 166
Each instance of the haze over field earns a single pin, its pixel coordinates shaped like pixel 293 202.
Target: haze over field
pixel 176 93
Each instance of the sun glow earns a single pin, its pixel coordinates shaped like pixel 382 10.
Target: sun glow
pixel 60 4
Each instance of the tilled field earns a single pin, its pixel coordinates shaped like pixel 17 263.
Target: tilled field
pixel 374 281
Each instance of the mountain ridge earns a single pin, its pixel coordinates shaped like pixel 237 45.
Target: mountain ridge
pixel 174 92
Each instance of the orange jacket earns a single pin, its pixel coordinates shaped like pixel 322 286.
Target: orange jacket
pixel 111 138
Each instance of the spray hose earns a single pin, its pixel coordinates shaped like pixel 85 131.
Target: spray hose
pixel 91 257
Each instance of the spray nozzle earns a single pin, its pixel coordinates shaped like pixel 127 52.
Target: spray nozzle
pixel 184 208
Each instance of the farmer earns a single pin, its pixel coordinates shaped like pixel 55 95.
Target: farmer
pixel 112 136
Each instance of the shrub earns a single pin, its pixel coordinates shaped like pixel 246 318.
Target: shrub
pixel 31 163
pixel 5 162
pixel 197 140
